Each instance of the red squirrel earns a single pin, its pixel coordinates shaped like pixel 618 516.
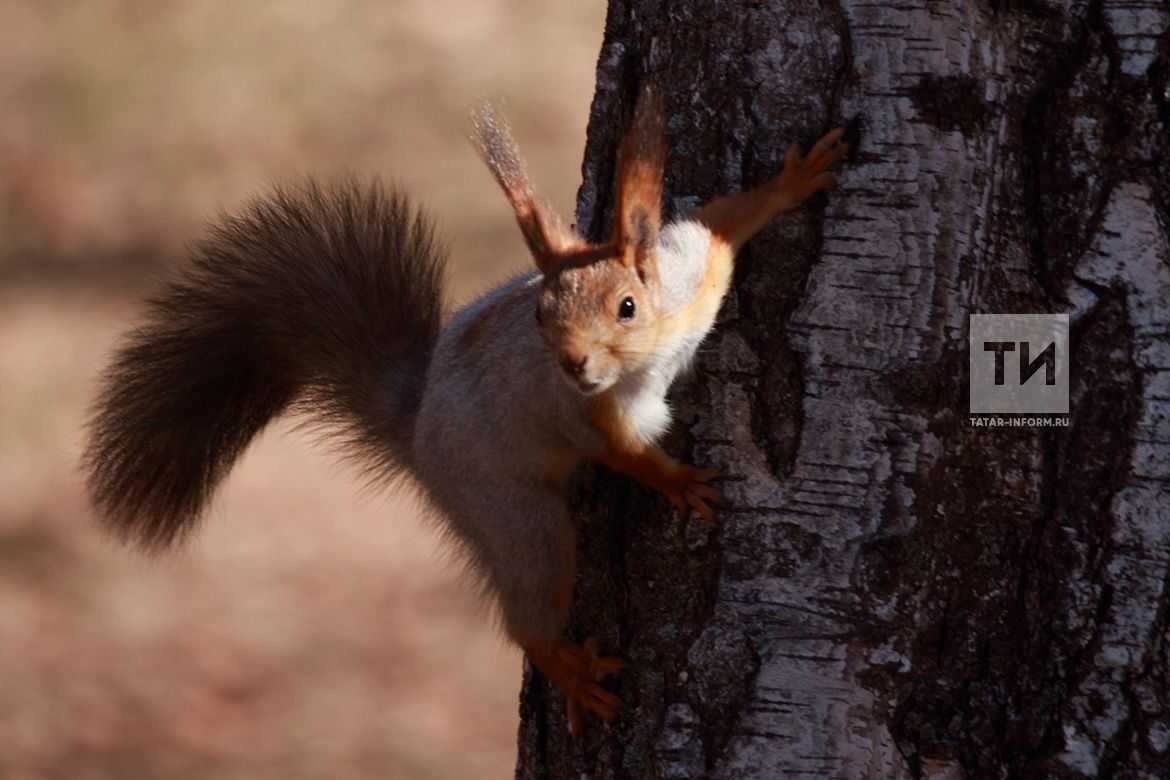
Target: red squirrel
pixel 328 300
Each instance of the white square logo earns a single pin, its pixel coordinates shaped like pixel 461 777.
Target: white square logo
pixel 1019 364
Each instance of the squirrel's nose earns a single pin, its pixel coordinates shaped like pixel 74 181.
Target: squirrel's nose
pixel 572 363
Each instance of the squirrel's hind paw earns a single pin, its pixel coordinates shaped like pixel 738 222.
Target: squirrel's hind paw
pixel 576 670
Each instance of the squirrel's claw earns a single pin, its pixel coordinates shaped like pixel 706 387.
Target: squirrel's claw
pixel 802 176
pixel 689 490
pixel 698 495
pixel 827 151
pixel 576 670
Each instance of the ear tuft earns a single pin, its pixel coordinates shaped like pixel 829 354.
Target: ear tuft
pixel 641 162
pixel 546 236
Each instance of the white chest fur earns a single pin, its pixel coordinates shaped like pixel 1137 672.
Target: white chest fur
pixel 682 252
pixel 682 262
pixel 643 393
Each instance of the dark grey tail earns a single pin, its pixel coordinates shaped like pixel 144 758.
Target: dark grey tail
pixel 328 298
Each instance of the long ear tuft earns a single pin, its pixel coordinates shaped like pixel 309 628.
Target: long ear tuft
pixel 639 198
pixel 546 236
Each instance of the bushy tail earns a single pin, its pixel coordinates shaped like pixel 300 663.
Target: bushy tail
pixel 328 298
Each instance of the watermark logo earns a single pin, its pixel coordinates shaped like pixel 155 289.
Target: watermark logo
pixel 1019 366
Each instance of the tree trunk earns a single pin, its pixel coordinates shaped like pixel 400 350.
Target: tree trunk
pixel 890 591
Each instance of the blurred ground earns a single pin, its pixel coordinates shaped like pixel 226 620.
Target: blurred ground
pixel 309 633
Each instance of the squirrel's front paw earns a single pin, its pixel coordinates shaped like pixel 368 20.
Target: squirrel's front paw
pixel 688 487
pixel 802 176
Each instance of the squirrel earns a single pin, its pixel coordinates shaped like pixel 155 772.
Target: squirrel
pixel 327 299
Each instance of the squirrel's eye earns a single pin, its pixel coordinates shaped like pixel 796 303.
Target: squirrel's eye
pixel 626 309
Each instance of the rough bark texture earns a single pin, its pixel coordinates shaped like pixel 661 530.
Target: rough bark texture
pixel 890 591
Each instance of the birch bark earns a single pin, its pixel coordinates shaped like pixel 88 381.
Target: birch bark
pixel 891 592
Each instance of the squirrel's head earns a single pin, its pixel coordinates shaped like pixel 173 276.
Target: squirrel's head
pixel 598 309
pixel 600 321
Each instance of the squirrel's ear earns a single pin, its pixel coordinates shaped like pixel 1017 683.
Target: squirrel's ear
pixel 546 236
pixel 639 186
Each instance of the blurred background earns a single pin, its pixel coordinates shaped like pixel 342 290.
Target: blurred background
pixel 309 632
